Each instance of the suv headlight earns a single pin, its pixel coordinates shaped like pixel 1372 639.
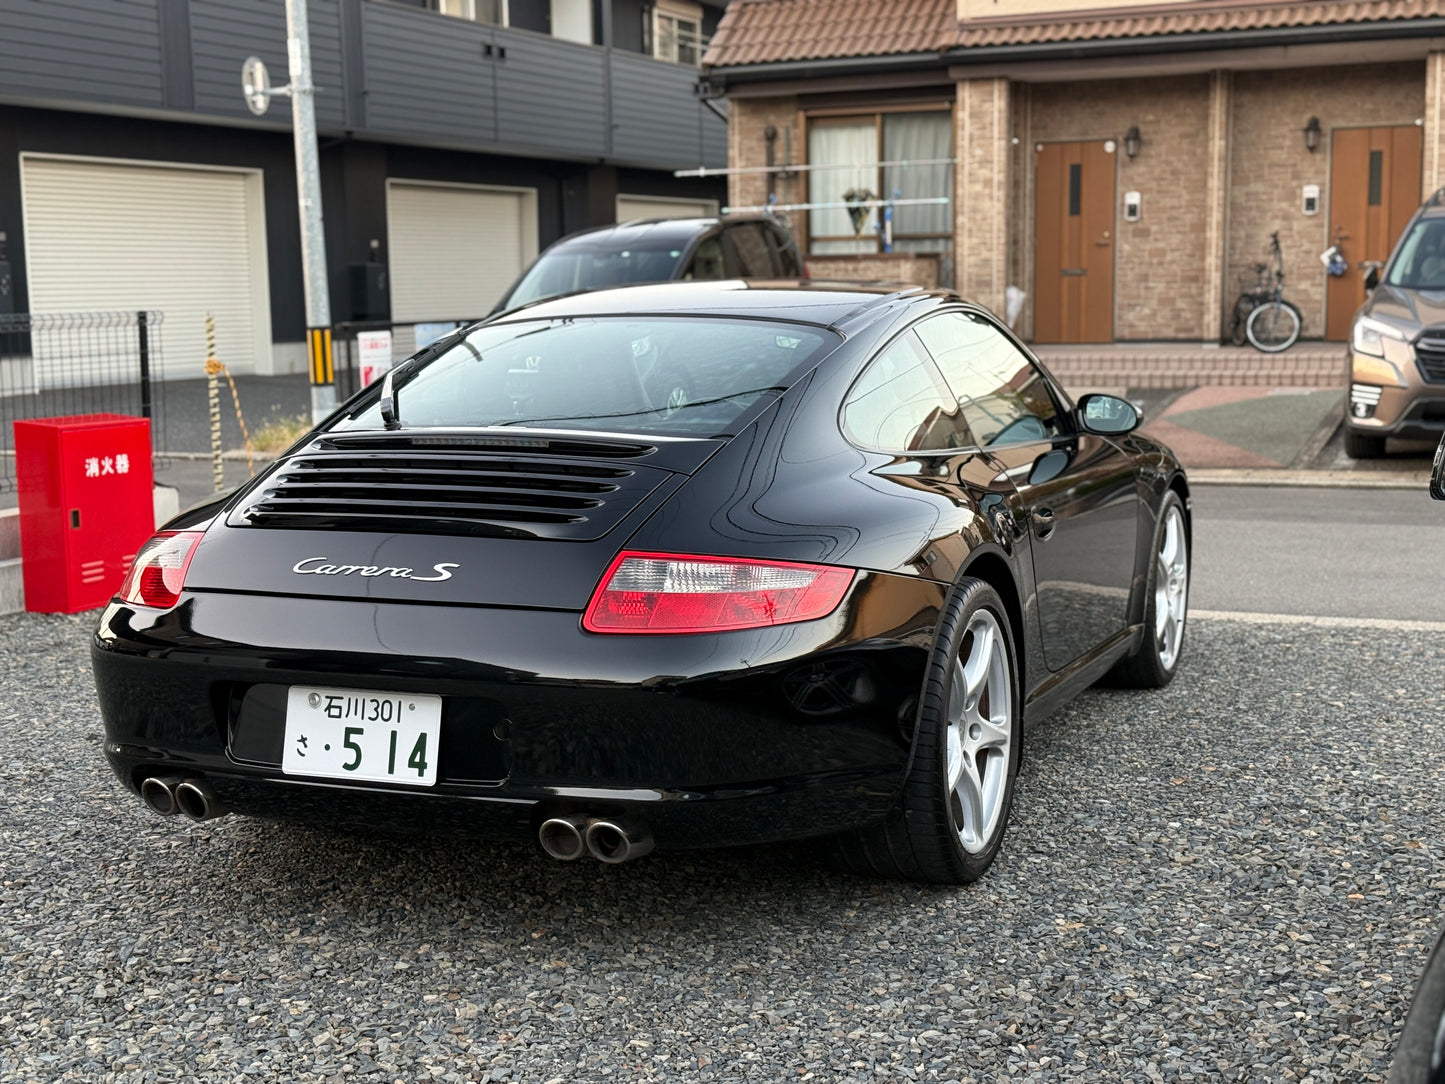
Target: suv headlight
pixel 1370 334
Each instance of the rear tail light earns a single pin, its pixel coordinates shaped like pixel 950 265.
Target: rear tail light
pixel 159 570
pixel 662 592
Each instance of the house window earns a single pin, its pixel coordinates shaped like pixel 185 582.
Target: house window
pixel 677 32
pixel 849 150
pixel 478 11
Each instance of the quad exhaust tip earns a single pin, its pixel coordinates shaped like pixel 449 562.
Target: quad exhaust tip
pixel 562 837
pixel 159 792
pixel 196 799
pixel 607 839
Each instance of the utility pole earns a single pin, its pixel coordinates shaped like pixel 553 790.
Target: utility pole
pixel 256 88
pixel 308 194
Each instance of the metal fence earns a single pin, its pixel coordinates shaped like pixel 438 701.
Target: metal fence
pixel 61 364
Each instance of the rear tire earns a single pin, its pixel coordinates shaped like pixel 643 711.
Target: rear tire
pixel 1166 607
pixel 1273 326
pixel 1363 445
pixel 1242 308
pixel 959 791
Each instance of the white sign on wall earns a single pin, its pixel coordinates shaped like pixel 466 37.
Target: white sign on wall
pixel 373 355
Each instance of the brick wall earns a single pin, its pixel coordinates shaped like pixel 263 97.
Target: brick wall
pixel 748 120
pixel 1159 261
pixel 1270 165
pixel 904 268
pixel 981 191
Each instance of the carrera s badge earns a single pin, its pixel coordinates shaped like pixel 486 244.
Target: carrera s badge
pixel 317 566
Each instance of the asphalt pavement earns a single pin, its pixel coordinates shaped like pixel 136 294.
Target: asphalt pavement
pixel 1235 879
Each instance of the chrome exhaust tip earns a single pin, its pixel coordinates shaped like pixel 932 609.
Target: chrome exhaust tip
pixel 159 792
pixel 616 840
pixel 196 800
pixel 561 837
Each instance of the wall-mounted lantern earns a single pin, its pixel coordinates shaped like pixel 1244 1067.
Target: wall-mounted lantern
pixel 1131 141
pixel 1312 135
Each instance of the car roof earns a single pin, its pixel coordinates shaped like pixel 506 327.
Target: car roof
pixel 649 231
pixel 826 304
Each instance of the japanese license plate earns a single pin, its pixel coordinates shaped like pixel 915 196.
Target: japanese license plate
pixel 362 734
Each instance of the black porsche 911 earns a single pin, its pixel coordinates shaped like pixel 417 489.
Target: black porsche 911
pixel 695 564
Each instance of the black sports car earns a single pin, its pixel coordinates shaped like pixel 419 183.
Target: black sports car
pixel 697 563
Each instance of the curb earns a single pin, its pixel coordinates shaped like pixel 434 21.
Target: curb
pixel 1320 479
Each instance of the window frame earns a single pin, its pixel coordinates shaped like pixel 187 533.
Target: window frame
pixel 677 11
pixel 824 117
pixel 470 11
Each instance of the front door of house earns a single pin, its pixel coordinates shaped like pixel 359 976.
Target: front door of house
pixel 1374 189
pixel 1074 242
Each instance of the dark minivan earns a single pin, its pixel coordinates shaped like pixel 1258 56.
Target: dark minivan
pixel 657 250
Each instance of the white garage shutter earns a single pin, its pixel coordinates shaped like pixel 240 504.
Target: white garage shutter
pixel 633 207
pixel 455 249
pixel 117 236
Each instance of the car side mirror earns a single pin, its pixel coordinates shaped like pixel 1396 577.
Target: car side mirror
pixel 1108 415
pixel 1372 275
pixel 1437 473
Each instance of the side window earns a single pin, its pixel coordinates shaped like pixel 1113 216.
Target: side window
pixel 754 259
pixel 707 261
pixel 900 404
pixel 1002 395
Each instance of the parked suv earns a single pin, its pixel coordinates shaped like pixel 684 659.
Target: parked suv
pixel 658 249
pixel 1397 342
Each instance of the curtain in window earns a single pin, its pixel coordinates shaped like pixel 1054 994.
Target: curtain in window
pixel 854 145
pixel 912 137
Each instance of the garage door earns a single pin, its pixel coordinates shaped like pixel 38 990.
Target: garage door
pixel 456 248
pixel 632 207
pixel 122 236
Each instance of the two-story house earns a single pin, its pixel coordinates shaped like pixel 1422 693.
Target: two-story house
pixel 457 137
pixel 1122 163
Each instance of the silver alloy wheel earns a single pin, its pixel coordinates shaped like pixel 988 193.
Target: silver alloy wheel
pixel 1171 588
pixel 980 732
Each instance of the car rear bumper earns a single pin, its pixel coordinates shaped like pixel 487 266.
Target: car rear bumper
pixel 710 740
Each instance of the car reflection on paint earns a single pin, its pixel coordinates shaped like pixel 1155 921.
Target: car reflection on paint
pixel 686 565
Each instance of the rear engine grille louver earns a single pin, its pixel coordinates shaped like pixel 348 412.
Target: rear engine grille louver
pixel 453 492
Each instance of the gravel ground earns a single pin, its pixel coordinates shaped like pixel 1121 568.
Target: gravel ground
pixel 1236 879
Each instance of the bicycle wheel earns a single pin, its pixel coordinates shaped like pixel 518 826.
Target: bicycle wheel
pixel 1273 326
pixel 1243 306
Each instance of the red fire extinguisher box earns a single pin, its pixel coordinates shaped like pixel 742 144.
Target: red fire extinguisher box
pixel 86 506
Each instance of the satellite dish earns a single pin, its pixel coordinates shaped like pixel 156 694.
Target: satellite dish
pixel 256 85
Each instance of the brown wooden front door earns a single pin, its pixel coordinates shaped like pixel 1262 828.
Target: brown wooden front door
pixel 1374 189
pixel 1074 243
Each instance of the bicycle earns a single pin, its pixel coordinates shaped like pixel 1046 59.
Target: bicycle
pixel 1271 323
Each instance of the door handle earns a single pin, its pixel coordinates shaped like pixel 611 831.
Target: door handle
pixel 1043 519
pixel 1105 240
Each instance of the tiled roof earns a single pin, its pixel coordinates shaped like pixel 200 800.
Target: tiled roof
pixel 1196 19
pixel 758 31
pixel 762 31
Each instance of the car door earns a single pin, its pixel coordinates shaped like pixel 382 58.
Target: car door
pixel 1075 491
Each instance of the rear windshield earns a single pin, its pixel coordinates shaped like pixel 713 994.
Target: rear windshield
pixel 1421 263
pixel 575 267
pixel 687 376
